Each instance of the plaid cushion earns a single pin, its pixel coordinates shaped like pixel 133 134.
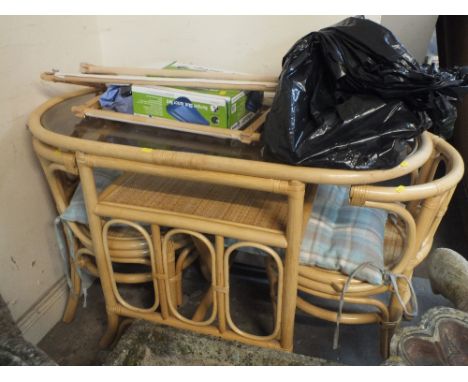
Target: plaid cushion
pixel 394 241
pixel 340 237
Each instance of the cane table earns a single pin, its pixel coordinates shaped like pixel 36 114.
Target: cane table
pixel 54 124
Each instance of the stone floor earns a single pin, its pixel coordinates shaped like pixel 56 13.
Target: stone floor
pixel 146 344
pixel 77 343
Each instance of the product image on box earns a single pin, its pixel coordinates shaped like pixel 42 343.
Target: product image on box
pixel 183 110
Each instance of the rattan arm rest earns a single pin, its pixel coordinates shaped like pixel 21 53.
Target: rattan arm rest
pixel 359 195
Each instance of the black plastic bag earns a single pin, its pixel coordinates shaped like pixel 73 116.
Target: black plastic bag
pixel 351 96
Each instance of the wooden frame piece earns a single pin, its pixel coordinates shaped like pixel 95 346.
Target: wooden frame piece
pixel 278 304
pixel 247 134
pixel 170 298
pixel 147 238
pixel 174 73
pixel 199 83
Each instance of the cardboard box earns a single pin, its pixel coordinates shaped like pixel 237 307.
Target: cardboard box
pixel 209 107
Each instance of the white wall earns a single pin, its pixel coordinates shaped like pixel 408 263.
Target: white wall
pixel 29 259
pixel 253 44
pixel 30 269
pixel 413 31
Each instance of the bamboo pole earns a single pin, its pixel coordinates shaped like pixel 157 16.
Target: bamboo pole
pixel 205 304
pixel 163 293
pixel 174 73
pixel 90 196
pixel 49 76
pixel 221 282
pixel 291 263
pixel 198 83
pixel 242 135
pixel 232 180
pixel 75 290
pixel 184 260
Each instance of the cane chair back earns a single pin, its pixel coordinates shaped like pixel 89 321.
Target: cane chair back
pixel 415 212
pixel 125 245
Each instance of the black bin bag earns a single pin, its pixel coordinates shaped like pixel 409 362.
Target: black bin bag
pixel 351 96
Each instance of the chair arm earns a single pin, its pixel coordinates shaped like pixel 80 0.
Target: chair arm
pixel 358 195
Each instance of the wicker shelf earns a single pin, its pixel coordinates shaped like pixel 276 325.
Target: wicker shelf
pixel 248 207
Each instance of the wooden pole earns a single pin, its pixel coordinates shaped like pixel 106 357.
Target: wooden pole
pixel 157 244
pixel 291 263
pixel 174 73
pixel 95 225
pixel 220 279
pixel 101 79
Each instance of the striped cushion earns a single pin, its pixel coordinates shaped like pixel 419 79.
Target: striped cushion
pixel 394 241
pixel 340 237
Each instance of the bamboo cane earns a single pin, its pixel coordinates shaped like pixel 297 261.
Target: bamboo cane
pixel 101 79
pixel 174 73
pixel 49 76
pixel 246 136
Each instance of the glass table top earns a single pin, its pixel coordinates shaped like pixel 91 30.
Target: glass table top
pixel 55 124
pixel 59 119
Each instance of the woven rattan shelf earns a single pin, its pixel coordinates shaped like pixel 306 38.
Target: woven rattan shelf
pixel 247 208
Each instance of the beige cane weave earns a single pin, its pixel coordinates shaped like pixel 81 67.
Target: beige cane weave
pixel 204 200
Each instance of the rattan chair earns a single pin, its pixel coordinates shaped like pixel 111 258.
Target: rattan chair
pixel 418 209
pixel 208 206
pixel 126 245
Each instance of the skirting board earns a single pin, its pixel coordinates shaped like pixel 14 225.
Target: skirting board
pixel 43 315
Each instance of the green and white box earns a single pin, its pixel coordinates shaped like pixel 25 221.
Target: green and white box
pixel 209 107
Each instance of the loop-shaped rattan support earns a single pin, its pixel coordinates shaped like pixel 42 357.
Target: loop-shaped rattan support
pixel 185 259
pixel 147 238
pixel 279 300
pixel 170 298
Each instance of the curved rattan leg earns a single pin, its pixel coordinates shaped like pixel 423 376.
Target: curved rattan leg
pixel 204 306
pixel 184 260
pixel 73 295
pixel 386 333
pixel 388 327
pixel 124 324
pixel 272 276
pixel 111 331
pixel 205 258
pixel 171 266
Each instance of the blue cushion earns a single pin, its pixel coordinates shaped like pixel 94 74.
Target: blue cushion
pixel 340 237
pixel 76 211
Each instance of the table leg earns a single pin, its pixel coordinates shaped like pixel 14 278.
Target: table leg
pixel 291 263
pixel 220 281
pixel 105 269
